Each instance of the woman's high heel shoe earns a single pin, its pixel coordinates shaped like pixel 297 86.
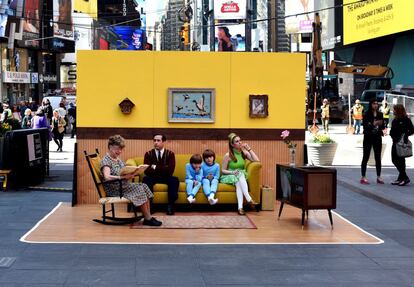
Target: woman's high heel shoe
pixel 241 211
pixel 363 180
pixel 379 180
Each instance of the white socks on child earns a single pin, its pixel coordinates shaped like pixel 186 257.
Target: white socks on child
pixel 212 200
pixel 191 199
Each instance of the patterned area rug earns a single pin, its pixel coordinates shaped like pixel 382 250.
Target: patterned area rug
pixel 208 221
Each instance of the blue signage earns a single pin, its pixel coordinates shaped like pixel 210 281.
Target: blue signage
pixel 131 38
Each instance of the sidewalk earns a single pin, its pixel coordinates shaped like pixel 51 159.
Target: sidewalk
pixel 347 162
pixel 60 167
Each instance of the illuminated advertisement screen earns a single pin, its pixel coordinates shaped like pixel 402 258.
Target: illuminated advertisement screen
pixel 62 19
pixel 329 35
pixel 131 37
pixel 376 18
pixel 230 38
pixel 31 22
pixel 299 16
pixel 3 24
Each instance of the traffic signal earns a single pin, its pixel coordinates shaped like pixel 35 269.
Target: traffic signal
pixel 185 34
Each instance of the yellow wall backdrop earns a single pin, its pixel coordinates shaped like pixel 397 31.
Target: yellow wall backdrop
pixel 371 19
pixel 89 7
pixel 107 77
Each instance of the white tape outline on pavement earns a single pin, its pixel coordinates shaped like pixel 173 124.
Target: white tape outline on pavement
pixel 23 238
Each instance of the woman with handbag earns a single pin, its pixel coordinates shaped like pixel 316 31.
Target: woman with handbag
pixel 401 129
pixel 58 128
pixel 373 124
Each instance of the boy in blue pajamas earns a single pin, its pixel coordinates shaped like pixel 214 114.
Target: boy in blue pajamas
pixel 193 177
pixel 211 174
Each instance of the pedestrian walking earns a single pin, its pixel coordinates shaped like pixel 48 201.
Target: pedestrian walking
pixel 401 126
pixel 27 119
pixel 72 118
pixel 58 128
pixel 373 123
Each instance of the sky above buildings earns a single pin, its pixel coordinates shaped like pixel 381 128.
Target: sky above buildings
pixel 154 9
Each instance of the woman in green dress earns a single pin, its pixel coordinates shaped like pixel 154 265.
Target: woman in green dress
pixel 233 169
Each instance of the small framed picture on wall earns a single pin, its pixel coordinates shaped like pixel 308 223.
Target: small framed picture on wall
pixel 258 106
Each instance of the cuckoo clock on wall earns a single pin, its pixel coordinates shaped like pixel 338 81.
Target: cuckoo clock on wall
pixel 126 106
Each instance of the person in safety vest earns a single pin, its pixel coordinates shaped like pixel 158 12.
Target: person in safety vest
pixel 385 110
pixel 7 113
pixel 325 115
pixel 357 114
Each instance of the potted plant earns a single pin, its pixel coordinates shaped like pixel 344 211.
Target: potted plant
pixel 321 149
pixel 4 128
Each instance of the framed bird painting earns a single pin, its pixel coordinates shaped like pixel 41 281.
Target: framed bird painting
pixel 192 105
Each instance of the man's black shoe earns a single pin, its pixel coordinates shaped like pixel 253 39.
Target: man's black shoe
pixel 152 222
pixel 170 210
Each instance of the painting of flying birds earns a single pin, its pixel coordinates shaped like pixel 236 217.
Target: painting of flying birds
pixel 191 105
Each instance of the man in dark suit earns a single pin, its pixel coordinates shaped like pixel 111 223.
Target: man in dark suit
pixel 161 163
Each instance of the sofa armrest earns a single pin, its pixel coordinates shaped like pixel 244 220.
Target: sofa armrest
pixel 253 179
pixel 131 162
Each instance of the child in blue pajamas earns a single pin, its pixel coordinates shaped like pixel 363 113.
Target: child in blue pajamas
pixel 193 177
pixel 211 174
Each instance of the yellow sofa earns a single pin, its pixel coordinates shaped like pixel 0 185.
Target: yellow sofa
pixel 226 194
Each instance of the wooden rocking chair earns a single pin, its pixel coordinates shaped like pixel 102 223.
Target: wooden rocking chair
pixel 94 161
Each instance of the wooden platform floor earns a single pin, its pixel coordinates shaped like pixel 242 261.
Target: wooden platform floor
pixel 66 224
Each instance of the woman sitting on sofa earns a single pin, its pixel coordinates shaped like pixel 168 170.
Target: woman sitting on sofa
pixel 233 169
pixel 138 193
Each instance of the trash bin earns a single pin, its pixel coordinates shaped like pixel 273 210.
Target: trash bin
pixel 26 154
pixel 268 198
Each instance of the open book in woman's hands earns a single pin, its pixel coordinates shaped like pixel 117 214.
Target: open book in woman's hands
pixel 128 169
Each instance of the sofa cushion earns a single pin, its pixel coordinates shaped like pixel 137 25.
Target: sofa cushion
pixel 182 188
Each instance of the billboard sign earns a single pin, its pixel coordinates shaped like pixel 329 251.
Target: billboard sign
pixel 230 9
pixel 62 19
pixel 371 19
pixel 31 22
pixel 296 23
pixel 3 24
pixel 329 36
pixel 132 38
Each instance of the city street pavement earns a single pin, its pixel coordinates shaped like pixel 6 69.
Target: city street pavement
pixel 60 167
pixel 387 264
pixel 347 161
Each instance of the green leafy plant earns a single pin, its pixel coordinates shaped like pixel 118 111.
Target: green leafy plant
pixel 8 125
pixel 4 127
pixel 321 138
